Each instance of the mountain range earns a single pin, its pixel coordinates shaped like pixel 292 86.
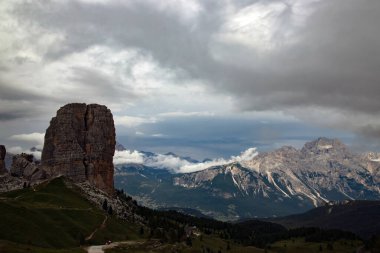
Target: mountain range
pixel 282 182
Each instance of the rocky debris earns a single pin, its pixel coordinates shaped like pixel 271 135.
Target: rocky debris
pixel 80 144
pixel 121 208
pixel 3 152
pixel 9 183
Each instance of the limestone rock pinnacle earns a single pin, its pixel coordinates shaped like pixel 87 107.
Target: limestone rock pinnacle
pixel 80 144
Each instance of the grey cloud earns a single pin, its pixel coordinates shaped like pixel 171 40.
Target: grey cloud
pixel 224 136
pixel 143 26
pixel 11 92
pixel 329 61
pixel 93 83
pixel 11 115
pixel 369 131
pixel 334 63
pixel 18 107
pixel 24 111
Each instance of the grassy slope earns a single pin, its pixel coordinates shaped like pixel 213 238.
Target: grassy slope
pixel 54 216
pixel 300 246
pixel 6 246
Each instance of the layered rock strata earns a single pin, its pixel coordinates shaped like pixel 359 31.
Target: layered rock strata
pixel 80 144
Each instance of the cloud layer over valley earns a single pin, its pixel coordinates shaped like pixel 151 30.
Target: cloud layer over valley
pixel 174 163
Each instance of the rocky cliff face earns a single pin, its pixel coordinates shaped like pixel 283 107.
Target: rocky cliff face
pixel 321 171
pixel 80 144
pixel 3 152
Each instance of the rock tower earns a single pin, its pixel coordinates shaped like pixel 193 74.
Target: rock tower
pixel 80 144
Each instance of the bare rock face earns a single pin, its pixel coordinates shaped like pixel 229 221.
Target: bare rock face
pixel 9 183
pixel 23 166
pixel 3 152
pixel 80 144
pixel 325 147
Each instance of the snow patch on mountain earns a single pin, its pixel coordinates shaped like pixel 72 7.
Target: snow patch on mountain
pixel 325 146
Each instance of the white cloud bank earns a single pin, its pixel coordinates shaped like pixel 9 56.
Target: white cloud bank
pixel 170 162
pixel 18 150
pixel 37 138
pixel 177 164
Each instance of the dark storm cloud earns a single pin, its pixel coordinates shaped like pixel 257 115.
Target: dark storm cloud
pixel 4 116
pixel 221 136
pixel 315 60
pixel 93 83
pixel 141 25
pixel 17 103
pixel 14 93
pixel 333 62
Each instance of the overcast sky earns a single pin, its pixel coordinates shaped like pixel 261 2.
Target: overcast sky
pixel 199 78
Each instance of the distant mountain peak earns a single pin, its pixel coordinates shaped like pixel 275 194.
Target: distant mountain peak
pixel 119 147
pixel 187 158
pixel 172 154
pixel 324 145
pixel 35 149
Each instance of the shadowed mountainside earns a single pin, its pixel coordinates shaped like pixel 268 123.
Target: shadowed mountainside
pixel 359 217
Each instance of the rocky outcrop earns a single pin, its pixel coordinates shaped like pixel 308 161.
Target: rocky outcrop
pixel 3 152
pixel 23 165
pixel 9 183
pixel 80 144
